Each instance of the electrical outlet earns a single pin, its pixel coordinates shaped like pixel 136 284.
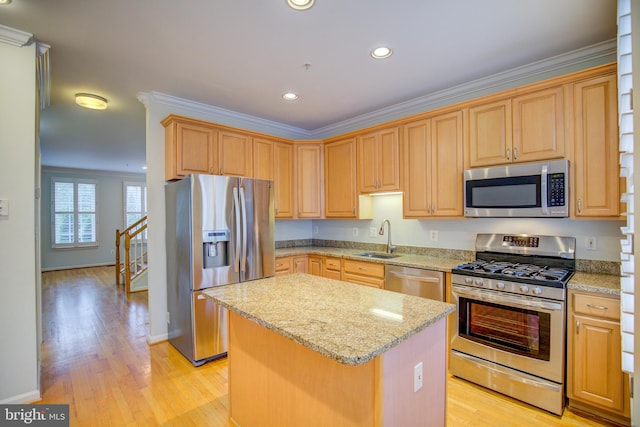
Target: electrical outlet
pixel 355 231
pixel 591 243
pixel 417 377
pixel 315 229
pixel 433 235
pixel 4 207
pixel 373 232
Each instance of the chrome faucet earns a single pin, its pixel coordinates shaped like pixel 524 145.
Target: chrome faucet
pixel 390 247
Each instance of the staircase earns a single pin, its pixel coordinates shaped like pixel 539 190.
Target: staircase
pixel 133 272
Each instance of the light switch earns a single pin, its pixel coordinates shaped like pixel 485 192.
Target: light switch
pixel 4 207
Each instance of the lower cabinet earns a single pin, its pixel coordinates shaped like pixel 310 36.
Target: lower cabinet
pixel 300 264
pixel 284 266
pixel 595 381
pixel 315 265
pixel 331 268
pixel 363 273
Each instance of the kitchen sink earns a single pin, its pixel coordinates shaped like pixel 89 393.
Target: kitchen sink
pixel 377 255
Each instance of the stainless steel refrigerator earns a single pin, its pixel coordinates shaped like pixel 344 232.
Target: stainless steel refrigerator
pixel 219 231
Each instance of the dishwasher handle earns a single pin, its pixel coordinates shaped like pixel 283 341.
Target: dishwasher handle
pixel 414 277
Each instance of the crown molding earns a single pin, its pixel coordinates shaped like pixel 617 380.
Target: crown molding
pixel 14 37
pixel 597 54
pixel 224 116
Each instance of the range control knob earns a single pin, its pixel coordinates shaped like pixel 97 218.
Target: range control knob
pixel 524 289
pixel 468 280
pixel 479 282
pixel 537 291
pixel 500 285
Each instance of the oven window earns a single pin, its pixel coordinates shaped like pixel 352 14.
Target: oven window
pixel 516 330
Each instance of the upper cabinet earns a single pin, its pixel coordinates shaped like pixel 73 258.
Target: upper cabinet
pixel 263 164
pixel 595 165
pixel 433 167
pixel 190 147
pixel 309 179
pixel 235 153
pixel 283 180
pixel 379 161
pixel 523 128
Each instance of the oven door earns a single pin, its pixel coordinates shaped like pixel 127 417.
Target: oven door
pixel 517 331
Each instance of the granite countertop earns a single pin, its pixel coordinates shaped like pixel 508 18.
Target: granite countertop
pixel 349 323
pixel 583 281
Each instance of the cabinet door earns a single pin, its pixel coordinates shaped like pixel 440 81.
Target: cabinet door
pixel 309 176
pixel 416 151
pixel 235 154
pixel 490 134
pixel 340 179
pixel 263 158
pixel 596 170
pixel 315 265
pixel 300 264
pixel 596 367
pixel 447 166
pixel 367 153
pixel 283 180
pixel 284 266
pixel 538 125
pixel 388 160
pixel 195 148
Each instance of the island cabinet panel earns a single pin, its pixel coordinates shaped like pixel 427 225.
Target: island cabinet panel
pixel 595 167
pixel 309 179
pixel 595 381
pixel 437 189
pixel 341 198
pixel 363 273
pixel 283 183
pixel 523 128
pixel 379 161
pixel 235 153
pixel 190 147
pixel 274 381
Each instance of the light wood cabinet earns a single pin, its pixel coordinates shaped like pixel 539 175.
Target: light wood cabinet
pixel 190 147
pixel 594 371
pixel 235 152
pixel 524 128
pixel 284 266
pixel 363 273
pixel 283 180
pixel 300 264
pixel 315 265
pixel 309 179
pixel 263 158
pixel 595 165
pixel 331 268
pixel 379 161
pixel 433 167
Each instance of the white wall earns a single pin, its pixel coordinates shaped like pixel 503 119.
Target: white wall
pixel 18 313
pixel 110 208
pixel 461 233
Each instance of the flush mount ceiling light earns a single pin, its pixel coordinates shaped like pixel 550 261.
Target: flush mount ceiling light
pixel 5 1
pixel 88 100
pixel 381 52
pixel 300 4
pixel 290 96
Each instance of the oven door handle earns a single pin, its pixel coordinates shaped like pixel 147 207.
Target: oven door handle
pixel 490 296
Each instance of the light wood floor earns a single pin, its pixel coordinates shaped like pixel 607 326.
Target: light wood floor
pixel 96 359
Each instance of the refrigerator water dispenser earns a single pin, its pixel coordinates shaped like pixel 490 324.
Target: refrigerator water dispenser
pixel 214 248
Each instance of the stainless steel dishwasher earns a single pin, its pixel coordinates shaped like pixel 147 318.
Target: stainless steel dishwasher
pixel 415 281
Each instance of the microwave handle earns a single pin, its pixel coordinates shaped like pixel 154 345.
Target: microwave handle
pixel 543 189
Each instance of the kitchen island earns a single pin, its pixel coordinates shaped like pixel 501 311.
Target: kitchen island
pixel 306 350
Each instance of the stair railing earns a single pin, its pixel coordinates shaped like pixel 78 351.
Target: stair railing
pixel 134 243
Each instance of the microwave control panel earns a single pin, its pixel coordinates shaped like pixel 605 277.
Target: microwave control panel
pixel 556 189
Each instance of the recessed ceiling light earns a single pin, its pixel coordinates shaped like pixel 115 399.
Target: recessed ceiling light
pixel 300 4
pixel 5 1
pixel 88 100
pixel 381 52
pixel 290 96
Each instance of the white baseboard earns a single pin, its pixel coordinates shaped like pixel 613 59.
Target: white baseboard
pixel 29 397
pixel 71 267
pixel 157 338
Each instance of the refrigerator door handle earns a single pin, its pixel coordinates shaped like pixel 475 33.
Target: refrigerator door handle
pixel 243 265
pixel 236 203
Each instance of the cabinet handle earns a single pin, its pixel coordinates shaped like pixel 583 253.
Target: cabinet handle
pixel 599 307
pixel 508 153
pixel 579 205
pixel 577 327
pixel 515 153
pixel 353 210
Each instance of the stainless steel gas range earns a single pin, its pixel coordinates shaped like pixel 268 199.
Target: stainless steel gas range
pixel 509 333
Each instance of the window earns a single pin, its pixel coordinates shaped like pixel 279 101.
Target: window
pixel 74 215
pixel 135 203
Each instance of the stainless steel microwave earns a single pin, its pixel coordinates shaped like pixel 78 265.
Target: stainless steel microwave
pixel 528 190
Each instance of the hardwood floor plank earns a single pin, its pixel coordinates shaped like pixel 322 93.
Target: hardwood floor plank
pixel 96 358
